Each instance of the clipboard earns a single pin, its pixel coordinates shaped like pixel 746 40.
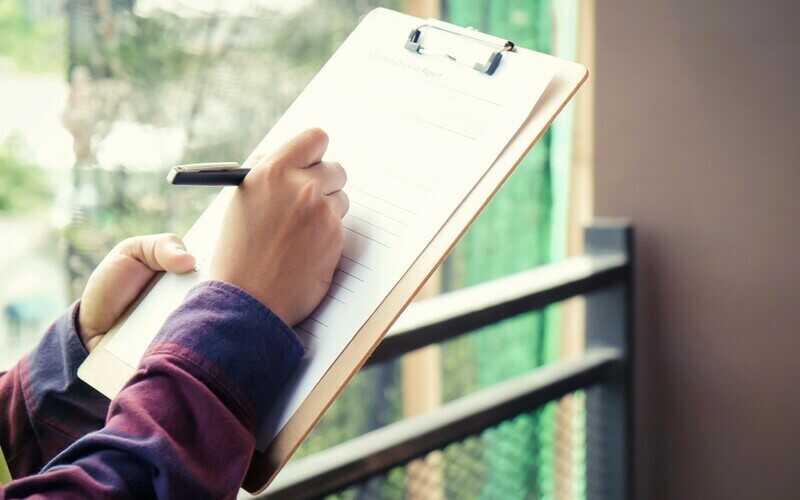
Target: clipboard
pixel 107 373
pixel 266 465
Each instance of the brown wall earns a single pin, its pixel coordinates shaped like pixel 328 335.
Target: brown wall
pixel 698 141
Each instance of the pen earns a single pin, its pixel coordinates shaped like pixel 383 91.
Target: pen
pixel 207 174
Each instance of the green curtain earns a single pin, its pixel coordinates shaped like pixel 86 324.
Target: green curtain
pixel 521 228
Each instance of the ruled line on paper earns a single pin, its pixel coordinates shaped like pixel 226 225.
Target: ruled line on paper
pixel 449 88
pixel 354 261
pixel 350 274
pixel 466 94
pixel 367 236
pixel 305 330
pixel 315 320
pixel 384 200
pixel 342 286
pixel 337 299
pixel 367 221
pixel 395 175
pixel 445 128
pixel 382 214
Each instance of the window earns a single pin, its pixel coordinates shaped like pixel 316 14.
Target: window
pixel 102 97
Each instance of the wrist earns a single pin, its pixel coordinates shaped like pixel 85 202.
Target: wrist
pixel 255 291
pixel 275 306
pixel 236 342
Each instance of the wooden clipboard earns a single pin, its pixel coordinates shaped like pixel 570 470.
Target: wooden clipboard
pixel 264 466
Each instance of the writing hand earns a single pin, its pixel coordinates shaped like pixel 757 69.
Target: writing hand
pixel 282 235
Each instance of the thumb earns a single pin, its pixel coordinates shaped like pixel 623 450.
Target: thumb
pixel 122 276
pixel 159 252
pixel 175 258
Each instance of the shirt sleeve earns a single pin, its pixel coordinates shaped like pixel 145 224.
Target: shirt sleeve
pixel 183 427
pixel 45 406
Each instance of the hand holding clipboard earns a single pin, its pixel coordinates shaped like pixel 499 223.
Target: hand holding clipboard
pixel 426 141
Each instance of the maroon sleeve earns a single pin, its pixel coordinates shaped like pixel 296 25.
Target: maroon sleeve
pixel 16 433
pixel 45 407
pixel 184 426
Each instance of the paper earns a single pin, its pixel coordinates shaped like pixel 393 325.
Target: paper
pixel 415 133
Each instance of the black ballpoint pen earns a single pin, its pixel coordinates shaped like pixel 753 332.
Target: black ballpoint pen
pixel 208 174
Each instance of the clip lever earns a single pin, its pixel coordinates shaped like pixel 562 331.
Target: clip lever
pixel 414 44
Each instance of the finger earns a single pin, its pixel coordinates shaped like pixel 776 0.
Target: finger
pixel 304 150
pixel 172 255
pixel 158 252
pixel 339 203
pixel 330 175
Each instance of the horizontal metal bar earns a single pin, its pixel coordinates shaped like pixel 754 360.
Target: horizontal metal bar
pixel 452 314
pixel 378 451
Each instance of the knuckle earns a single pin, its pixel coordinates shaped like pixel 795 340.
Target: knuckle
pixel 128 242
pixel 341 171
pixel 311 200
pixel 170 238
pixel 309 193
pixel 273 173
pixel 321 208
pixel 268 173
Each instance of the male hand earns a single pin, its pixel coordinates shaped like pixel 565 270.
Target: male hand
pixel 121 277
pixel 282 235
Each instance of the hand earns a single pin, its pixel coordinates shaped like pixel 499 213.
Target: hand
pixel 282 235
pixel 121 277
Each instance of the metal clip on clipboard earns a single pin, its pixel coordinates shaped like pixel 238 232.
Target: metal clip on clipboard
pixel 414 44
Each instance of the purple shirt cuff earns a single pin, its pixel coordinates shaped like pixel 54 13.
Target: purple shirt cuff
pixel 52 371
pixel 53 365
pixel 235 345
pixel 62 407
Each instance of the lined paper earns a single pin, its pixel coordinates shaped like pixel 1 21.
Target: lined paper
pixel 415 134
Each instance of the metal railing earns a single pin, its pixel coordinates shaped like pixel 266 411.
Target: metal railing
pixel 604 277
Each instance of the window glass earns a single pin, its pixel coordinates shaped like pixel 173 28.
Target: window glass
pixel 101 97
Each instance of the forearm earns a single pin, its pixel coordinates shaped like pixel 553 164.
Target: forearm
pixel 168 436
pixel 15 428
pixel 183 427
pixel 45 407
pixel 17 439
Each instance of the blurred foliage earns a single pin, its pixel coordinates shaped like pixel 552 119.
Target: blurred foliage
pixel 319 28
pixel 22 186
pixel 32 46
pixel 147 51
pixel 220 80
